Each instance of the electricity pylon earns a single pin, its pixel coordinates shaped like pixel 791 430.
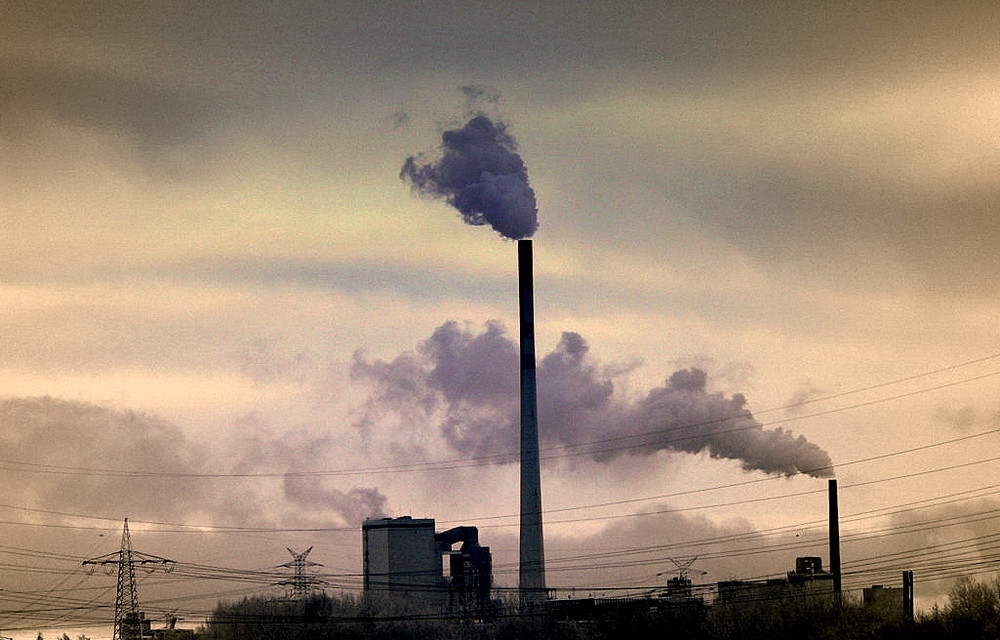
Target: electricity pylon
pixel 300 584
pixel 683 566
pixel 128 618
pixel 680 588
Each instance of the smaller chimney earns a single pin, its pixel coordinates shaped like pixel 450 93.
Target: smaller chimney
pixel 834 537
pixel 908 595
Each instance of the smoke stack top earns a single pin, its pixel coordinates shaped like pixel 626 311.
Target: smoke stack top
pixel 480 174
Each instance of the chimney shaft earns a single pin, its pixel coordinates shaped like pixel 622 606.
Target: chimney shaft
pixel 834 537
pixel 532 556
pixel 908 595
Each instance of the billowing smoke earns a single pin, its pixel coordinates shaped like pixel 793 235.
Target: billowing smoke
pixel 479 173
pixel 40 435
pixel 41 431
pixel 353 507
pixel 466 384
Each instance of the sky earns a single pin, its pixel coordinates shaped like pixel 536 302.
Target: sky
pixel 227 317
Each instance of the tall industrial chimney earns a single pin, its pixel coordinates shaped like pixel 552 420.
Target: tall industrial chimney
pixel 834 533
pixel 908 595
pixel 532 561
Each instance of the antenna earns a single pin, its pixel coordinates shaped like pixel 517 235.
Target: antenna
pixel 128 618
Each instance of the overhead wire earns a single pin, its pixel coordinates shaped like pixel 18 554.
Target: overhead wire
pixel 205 528
pixel 205 571
pixel 560 450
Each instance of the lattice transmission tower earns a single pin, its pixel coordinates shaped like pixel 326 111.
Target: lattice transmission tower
pixel 301 584
pixel 128 619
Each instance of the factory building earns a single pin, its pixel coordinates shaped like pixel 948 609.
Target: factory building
pixel 881 597
pixel 403 558
pixel 808 579
pixel 470 568
pixel 400 557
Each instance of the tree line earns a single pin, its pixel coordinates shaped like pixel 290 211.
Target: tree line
pixel 972 612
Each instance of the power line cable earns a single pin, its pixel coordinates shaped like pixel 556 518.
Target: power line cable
pixel 457 463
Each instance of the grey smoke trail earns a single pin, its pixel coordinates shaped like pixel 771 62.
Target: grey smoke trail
pixel 354 506
pixel 50 431
pixel 40 432
pixel 480 174
pixel 466 384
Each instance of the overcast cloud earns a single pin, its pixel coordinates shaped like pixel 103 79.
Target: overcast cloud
pixel 783 211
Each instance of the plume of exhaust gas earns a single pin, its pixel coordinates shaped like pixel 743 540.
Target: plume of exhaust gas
pixel 353 507
pixel 465 383
pixel 480 174
pixel 43 431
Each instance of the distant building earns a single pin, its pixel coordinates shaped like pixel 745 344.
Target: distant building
pixel 885 598
pixel 680 590
pixel 403 558
pixel 744 591
pixel 470 568
pixel 134 626
pixel 807 579
pixel 171 634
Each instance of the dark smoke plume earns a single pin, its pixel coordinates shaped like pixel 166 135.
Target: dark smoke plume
pixel 466 384
pixel 480 174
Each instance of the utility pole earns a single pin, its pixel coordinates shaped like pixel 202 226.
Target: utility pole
pixel 128 618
